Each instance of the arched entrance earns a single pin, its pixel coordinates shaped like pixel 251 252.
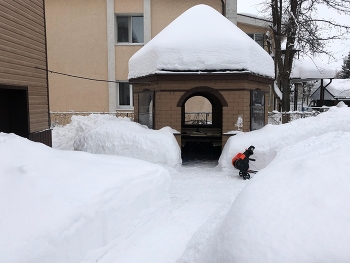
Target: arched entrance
pixel 201 124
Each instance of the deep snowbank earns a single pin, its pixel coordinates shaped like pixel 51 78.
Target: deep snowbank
pixel 271 139
pixel 58 205
pixel 295 210
pixel 103 134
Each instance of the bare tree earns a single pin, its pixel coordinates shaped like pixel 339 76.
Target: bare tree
pixel 295 23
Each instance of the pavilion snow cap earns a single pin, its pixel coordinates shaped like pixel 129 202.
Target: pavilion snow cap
pixel 201 39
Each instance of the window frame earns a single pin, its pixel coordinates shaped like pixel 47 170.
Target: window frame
pixel 254 38
pixel 257 111
pixel 151 109
pixel 129 15
pixel 125 107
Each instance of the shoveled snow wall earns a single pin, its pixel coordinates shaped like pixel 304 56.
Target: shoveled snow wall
pixel 58 206
pixel 269 140
pixel 103 134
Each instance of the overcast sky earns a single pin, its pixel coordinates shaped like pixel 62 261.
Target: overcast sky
pixel 340 49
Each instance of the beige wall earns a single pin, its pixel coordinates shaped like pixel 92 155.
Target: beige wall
pixel 76 38
pixel 123 52
pixel 162 14
pixel 77 45
pixel 249 29
pixel 122 55
pixel 133 6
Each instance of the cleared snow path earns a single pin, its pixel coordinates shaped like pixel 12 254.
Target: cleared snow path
pixel 200 196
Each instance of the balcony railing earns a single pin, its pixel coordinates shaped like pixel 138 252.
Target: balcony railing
pixel 198 118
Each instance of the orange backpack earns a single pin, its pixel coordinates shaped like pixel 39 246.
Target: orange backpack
pixel 238 156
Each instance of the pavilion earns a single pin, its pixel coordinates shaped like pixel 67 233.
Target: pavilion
pixel 201 54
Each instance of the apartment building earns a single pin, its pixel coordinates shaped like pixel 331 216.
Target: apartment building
pixel 91 42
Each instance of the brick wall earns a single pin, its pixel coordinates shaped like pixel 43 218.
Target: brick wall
pixel 235 92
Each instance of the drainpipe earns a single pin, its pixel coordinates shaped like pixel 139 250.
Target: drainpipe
pixel 296 87
pixel 322 91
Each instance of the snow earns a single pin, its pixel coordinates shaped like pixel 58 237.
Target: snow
pixel 295 209
pixel 201 39
pixel 197 193
pixel 271 139
pixel 56 206
pixel 105 134
pixel 310 68
pixel 277 90
pixel 71 206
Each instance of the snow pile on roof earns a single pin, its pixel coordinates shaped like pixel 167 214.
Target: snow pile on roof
pixel 297 208
pixel 57 205
pixel 120 136
pixel 201 39
pixel 272 138
pixel 311 69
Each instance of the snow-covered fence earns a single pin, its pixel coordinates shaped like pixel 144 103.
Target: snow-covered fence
pixel 276 117
pixel 63 118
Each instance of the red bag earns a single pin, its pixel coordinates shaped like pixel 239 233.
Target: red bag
pixel 238 156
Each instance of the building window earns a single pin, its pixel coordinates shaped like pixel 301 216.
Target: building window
pixel 130 29
pixel 146 108
pixel 125 95
pixel 257 109
pixel 259 38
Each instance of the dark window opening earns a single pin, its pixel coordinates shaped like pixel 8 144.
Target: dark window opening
pixel 14 111
pixel 137 29
pixel 123 29
pixel 257 102
pixel 146 108
pixel 124 94
pixel 130 29
pixel 259 38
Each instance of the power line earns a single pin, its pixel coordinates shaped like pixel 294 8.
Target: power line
pixel 86 78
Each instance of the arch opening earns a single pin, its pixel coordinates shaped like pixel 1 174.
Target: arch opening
pixel 198 111
pixel 201 126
